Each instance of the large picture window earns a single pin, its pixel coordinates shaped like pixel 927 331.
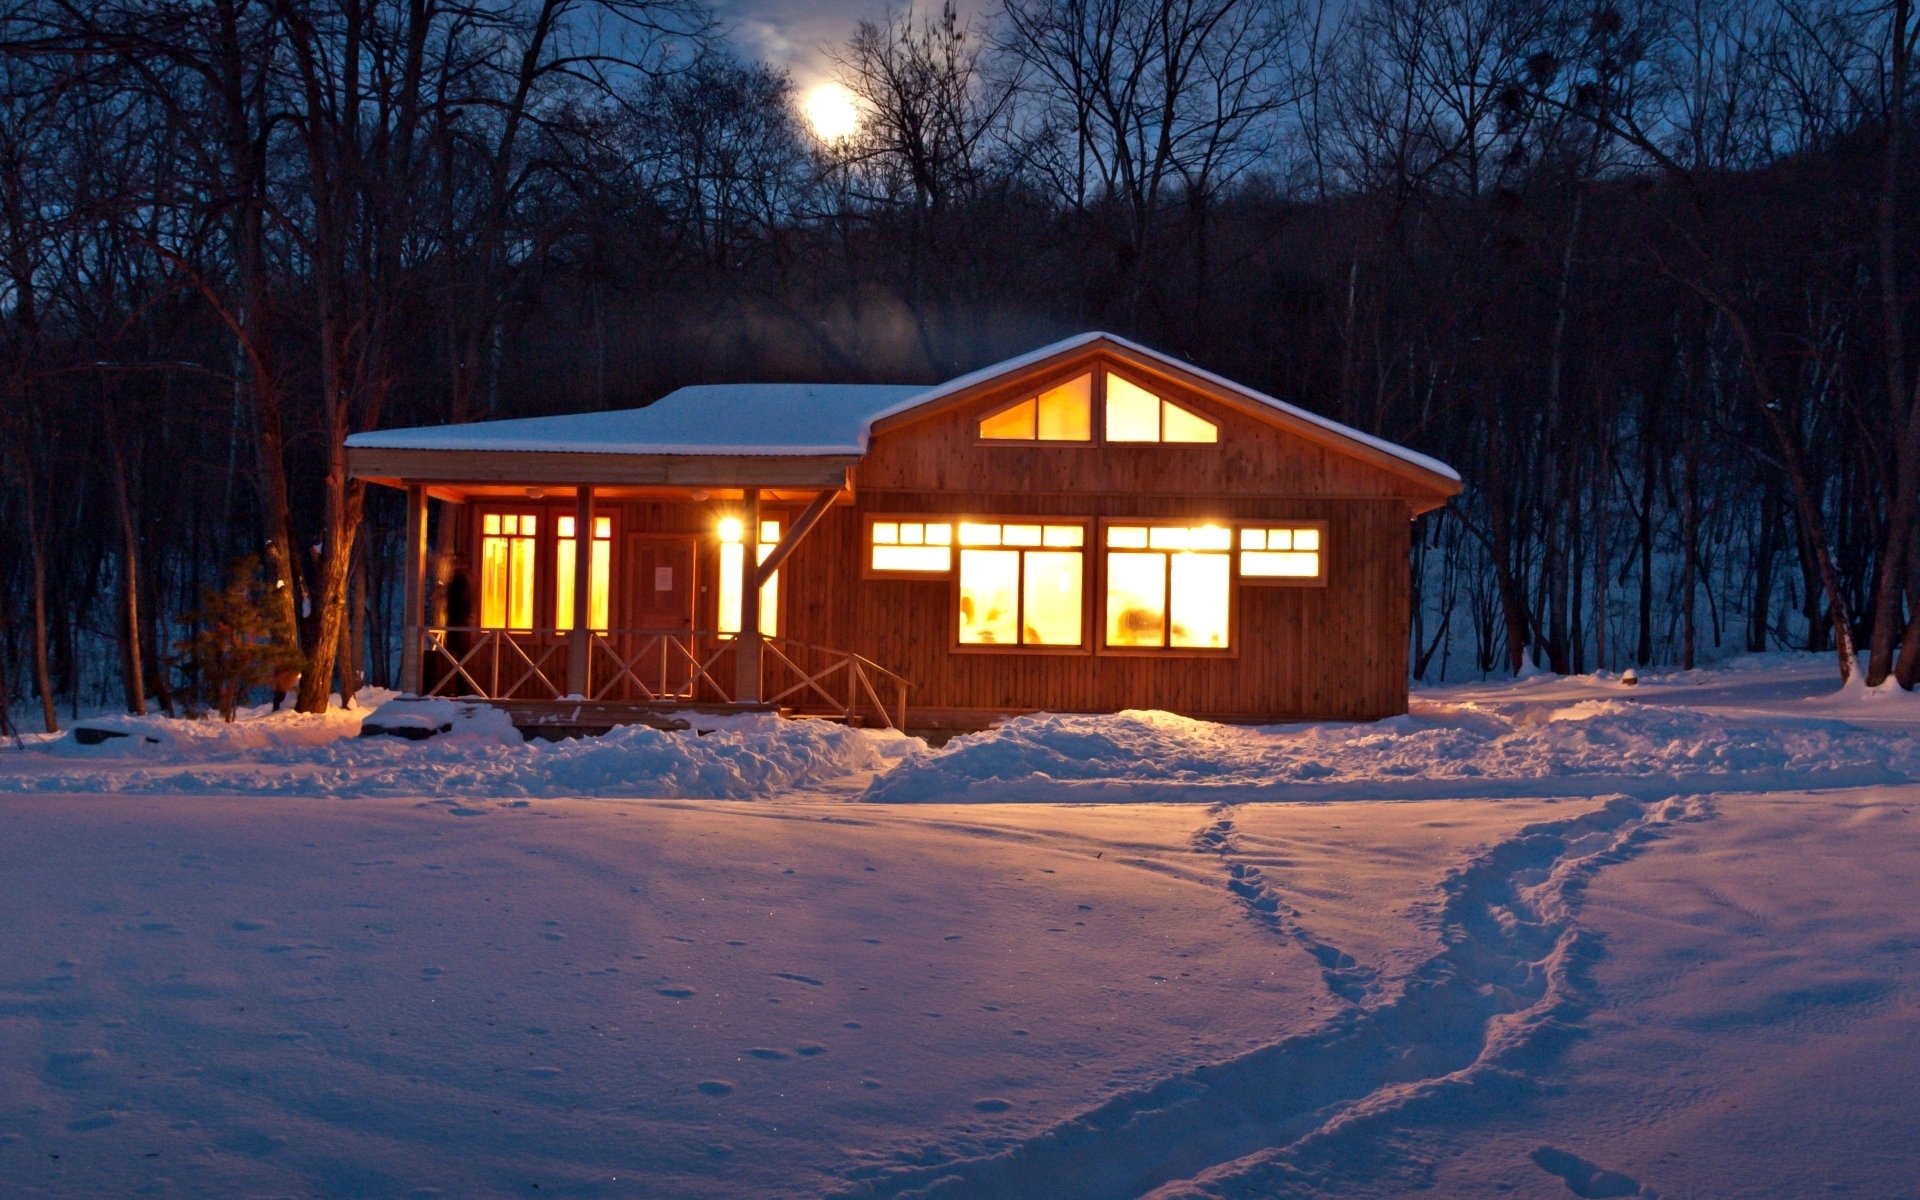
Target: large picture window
pixel 508 544
pixel 733 557
pixel 1169 587
pixel 1022 584
pixel 599 572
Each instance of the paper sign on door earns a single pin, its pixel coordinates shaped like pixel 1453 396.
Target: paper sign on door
pixel 663 579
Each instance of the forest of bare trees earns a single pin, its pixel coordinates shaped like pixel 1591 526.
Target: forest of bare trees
pixel 1643 271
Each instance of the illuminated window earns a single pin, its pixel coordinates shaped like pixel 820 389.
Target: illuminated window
pixel 1282 553
pixel 1021 584
pixel 1136 415
pixel 507 549
pixel 599 571
pixel 911 547
pixel 1059 414
pixel 1169 587
pixel 733 581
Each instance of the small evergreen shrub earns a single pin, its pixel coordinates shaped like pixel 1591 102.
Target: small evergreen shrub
pixel 242 640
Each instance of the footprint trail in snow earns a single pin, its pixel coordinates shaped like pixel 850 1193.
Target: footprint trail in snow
pixel 1500 997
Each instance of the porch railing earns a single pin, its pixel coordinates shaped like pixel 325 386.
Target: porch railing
pixel 653 666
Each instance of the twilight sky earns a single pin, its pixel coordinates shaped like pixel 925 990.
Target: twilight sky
pixel 798 34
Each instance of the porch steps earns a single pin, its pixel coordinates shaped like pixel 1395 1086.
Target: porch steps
pixel 553 720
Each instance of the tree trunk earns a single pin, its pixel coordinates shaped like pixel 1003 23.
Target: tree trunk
pixel 131 659
pixel 36 551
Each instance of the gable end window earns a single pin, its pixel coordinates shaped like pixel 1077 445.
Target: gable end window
pixel 1135 414
pixel 1063 413
pixel 1129 414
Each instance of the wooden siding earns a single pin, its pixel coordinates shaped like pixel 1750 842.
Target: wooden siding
pixel 1337 651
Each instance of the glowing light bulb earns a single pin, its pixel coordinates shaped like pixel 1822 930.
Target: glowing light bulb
pixel 731 530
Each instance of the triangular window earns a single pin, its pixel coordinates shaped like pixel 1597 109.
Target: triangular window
pixel 1136 415
pixel 1060 414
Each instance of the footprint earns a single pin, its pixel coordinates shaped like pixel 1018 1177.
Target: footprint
pixel 1590 1181
pixel 767 1053
pixel 992 1104
pixel 806 979
pixel 677 992
pixel 714 1087
pixel 735 942
pixel 248 924
pixel 809 1049
pixel 466 812
pixel 433 972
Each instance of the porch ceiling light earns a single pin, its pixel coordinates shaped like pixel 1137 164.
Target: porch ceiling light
pixel 731 529
pixel 534 493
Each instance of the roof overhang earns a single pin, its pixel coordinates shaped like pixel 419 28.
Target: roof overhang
pixel 523 468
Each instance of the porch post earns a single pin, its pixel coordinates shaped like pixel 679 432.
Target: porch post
pixel 413 615
pixel 746 679
pixel 580 643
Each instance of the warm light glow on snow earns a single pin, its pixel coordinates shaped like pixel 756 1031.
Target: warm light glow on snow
pixel 830 112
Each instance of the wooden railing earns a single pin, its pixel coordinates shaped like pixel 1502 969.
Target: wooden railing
pixel 837 683
pixel 653 666
pixel 496 664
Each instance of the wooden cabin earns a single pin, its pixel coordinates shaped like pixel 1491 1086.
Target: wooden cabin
pixel 1090 527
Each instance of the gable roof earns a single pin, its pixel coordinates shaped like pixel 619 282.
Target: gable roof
pixel 1262 404
pixel 820 420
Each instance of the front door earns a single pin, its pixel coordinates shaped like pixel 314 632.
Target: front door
pixel 657 594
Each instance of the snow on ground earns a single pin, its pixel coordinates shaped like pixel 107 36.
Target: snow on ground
pixel 1605 942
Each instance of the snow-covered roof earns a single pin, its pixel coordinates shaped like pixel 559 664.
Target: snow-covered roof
pixel 796 418
pixel 720 418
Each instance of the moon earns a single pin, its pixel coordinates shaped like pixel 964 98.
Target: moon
pixel 831 112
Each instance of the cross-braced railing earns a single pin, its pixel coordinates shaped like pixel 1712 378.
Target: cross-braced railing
pixel 498 664
pixel 836 683
pixel 655 666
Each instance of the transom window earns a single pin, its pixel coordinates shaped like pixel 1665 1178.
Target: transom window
pixel 1022 584
pixel 1065 413
pixel 910 547
pixel 1169 587
pixel 599 571
pixel 733 557
pixel 1284 552
pixel 507 555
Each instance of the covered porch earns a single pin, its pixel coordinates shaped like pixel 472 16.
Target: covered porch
pixel 675 603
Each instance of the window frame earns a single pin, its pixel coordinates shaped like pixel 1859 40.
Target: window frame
pixel 1296 581
pixel 1089 574
pixel 612 517
pixel 869 520
pixel 1232 648
pixel 1032 390
pixel 717 565
pixel 1097 414
pixel 477 576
